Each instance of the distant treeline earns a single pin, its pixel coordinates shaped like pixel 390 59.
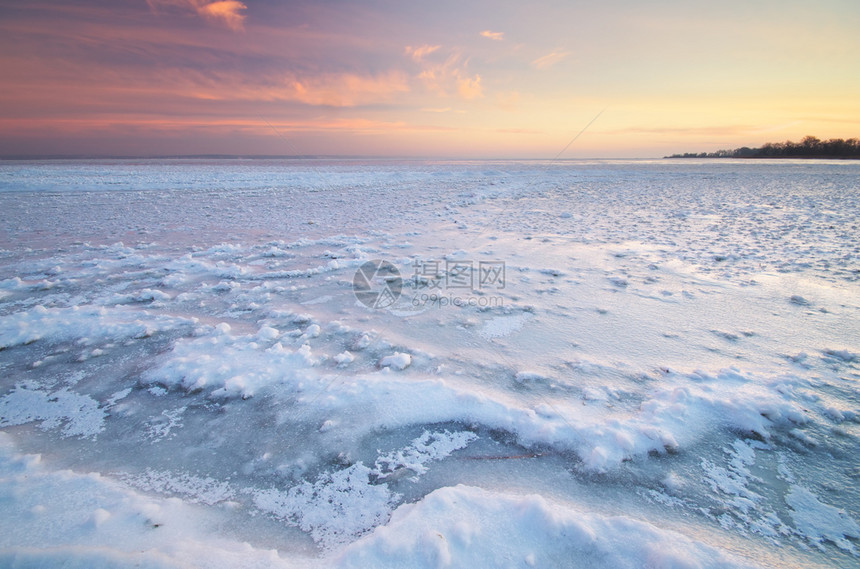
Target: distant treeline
pixel 809 147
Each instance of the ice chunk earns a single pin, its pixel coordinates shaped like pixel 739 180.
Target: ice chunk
pixel 397 360
pixel 344 358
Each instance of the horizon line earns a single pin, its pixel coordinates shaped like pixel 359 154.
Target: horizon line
pixel 12 157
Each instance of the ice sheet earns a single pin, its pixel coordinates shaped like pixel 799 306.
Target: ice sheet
pixel 606 363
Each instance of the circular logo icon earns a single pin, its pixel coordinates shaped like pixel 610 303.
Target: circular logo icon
pixel 377 284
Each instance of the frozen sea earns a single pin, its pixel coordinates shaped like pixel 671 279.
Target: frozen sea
pixel 378 363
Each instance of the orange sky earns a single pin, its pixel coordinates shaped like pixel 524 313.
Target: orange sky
pixel 453 79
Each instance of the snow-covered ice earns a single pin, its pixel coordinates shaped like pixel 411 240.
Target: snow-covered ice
pixel 580 363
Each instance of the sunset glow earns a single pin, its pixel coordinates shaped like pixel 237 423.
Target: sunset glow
pixel 449 79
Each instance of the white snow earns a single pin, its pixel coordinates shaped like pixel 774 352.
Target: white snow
pixel 818 521
pixel 232 365
pixel 464 526
pixel 339 506
pixel 344 358
pixel 673 345
pixel 59 518
pixel 427 448
pixel 79 415
pixel 194 489
pixel 528 376
pixel 335 509
pixel 397 360
pixel 86 325
pixel 500 326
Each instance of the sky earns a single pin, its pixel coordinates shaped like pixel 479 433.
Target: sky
pixel 453 79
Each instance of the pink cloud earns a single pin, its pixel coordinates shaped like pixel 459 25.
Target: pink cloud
pixel 226 12
pixel 420 52
pixel 498 36
pixel 470 88
pixel 345 90
pixel 445 77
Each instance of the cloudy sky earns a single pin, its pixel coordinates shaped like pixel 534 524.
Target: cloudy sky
pixel 464 78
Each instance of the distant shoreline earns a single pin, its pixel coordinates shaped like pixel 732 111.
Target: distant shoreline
pixel 808 148
pixel 711 156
